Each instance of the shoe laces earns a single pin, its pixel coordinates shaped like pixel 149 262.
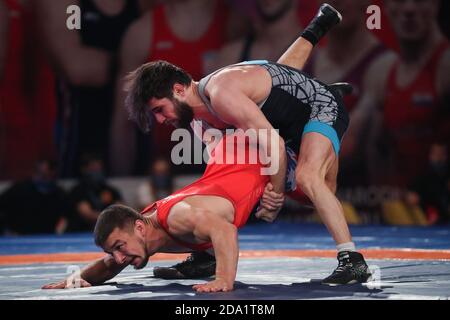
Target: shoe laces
pixel 343 261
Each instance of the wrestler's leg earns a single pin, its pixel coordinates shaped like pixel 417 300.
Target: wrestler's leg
pixel 298 53
pixel 331 176
pixel 317 178
pixel 317 159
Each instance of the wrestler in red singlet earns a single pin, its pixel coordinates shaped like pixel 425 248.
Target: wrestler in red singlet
pixel 411 115
pixel 241 184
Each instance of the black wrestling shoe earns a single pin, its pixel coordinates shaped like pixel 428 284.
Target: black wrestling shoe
pixel 351 269
pixel 197 265
pixel 342 88
pixel 326 18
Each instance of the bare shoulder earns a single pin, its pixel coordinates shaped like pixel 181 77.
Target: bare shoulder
pixel 181 219
pixel 443 74
pixel 252 80
pixel 376 76
pixel 380 67
pixel 137 39
pixel 228 54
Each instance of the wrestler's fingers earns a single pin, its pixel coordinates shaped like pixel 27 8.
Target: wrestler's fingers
pixel 273 194
pixel 268 205
pixel 55 285
pixel 269 186
pixel 271 200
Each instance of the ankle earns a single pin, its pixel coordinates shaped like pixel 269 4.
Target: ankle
pixel 346 246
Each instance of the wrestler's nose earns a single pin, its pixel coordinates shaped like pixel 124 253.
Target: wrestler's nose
pixel 119 257
pixel 160 118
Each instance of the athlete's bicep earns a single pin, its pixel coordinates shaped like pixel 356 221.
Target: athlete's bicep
pixel 235 108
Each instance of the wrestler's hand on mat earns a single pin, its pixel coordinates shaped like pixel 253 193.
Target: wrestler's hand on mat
pixel 218 285
pixel 69 283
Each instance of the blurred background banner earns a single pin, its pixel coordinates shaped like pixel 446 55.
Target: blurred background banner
pixel 68 150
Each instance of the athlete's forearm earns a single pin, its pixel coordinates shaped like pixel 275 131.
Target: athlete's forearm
pixel 101 271
pixel 278 179
pixel 226 250
pixel 276 151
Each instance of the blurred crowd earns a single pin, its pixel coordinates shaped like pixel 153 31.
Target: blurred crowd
pixel 62 114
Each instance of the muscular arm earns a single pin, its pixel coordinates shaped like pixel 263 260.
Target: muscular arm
pixel 208 226
pixel 369 110
pixel 96 273
pixel 101 270
pixel 4 28
pixel 79 64
pixel 223 236
pixel 134 51
pixel 234 107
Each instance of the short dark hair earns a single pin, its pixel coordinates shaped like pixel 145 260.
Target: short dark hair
pixel 151 80
pixel 115 216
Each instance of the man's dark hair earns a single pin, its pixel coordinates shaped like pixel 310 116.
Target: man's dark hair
pixel 151 80
pixel 115 216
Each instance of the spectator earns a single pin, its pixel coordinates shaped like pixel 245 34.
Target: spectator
pixel 405 95
pixel 275 27
pixel 35 205
pixel 432 190
pixel 159 185
pixel 188 33
pixel 85 62
pixel 91 195
pixel 17 147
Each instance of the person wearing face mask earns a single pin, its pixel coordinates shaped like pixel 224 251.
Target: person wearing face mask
pixel 158 186
pixel 432 190
pixel 35 205
pixel 91 195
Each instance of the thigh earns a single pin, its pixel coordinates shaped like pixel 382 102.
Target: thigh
pixel 316 154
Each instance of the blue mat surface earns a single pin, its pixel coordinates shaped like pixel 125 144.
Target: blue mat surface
pixel 279 235
pixel 264 278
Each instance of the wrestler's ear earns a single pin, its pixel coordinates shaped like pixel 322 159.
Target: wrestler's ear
pixel 139 226
pixel 179 90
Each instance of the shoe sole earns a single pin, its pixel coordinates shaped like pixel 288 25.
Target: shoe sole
pixel 368 279
pixel 340 284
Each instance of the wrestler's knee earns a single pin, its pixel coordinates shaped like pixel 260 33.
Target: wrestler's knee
pixel 308 178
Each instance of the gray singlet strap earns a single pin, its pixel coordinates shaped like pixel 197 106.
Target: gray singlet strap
pixel 203 82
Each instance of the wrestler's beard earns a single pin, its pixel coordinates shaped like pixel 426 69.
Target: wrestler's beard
pixel 184 114
pixel 144 259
